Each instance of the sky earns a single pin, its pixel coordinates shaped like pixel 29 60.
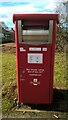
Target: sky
pixel 10 7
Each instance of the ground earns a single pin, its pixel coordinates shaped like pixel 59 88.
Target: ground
pixel 58 109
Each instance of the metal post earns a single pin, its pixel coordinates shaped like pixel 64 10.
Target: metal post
pixel 19 31
pixel 50 30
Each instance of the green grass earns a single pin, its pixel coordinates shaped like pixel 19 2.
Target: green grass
pixel 8 68
pixel 9 92
pixel 60 75
pixel 8 81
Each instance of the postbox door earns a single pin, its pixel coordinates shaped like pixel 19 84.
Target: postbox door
pixel 34 67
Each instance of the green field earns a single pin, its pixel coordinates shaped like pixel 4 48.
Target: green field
pixel 9 90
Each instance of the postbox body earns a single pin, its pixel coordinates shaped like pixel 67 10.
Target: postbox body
pixel 35 36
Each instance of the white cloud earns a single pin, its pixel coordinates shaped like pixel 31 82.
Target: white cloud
pixel 13 0
pixel 61 0
pixel 18 9
pixel 50 7
pixel 4 0
pixel 5 19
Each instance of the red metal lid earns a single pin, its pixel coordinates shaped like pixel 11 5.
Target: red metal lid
pixel 34 17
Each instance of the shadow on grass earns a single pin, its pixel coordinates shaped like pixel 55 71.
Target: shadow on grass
pixel 60 104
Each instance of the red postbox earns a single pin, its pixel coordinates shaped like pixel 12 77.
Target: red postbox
pixel 35 36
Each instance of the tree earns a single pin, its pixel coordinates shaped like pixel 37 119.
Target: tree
pixel 3 25
pixel 61 9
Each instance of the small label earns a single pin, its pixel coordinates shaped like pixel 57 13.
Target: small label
pixel 22 49
pixel 44 49
pixel 34 49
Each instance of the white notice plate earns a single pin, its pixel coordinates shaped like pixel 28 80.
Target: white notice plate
pixel 35 58
pixel 34 49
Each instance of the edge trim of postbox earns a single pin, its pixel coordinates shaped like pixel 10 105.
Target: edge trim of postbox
pixel 31 17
